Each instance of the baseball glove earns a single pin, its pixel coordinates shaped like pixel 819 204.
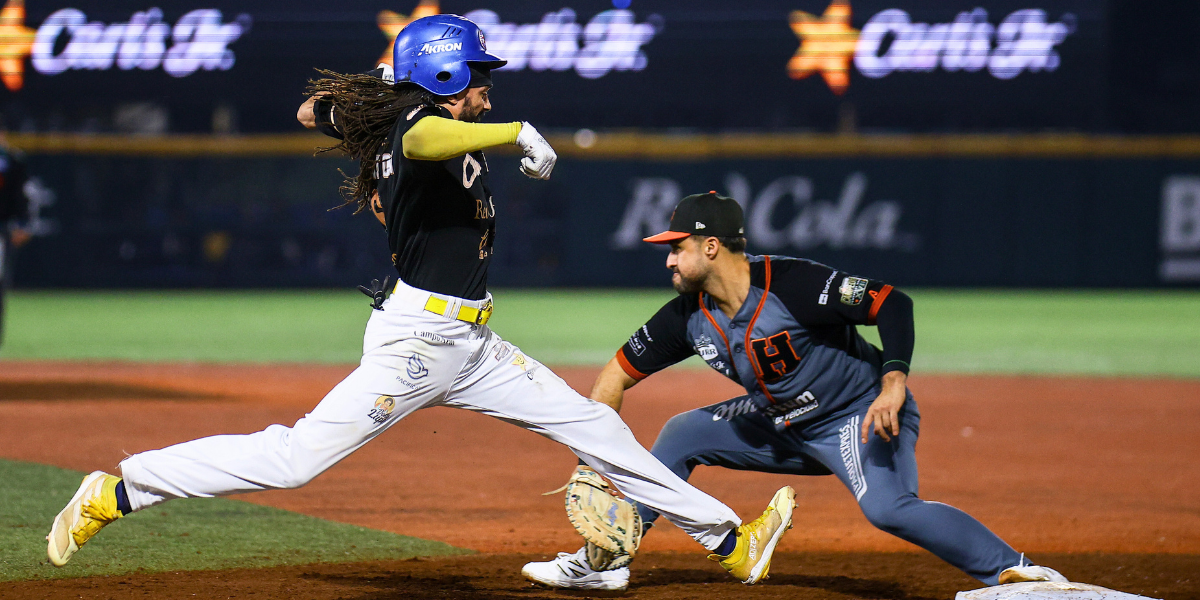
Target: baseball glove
pixel 611 525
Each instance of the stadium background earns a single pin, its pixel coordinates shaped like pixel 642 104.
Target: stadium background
pixel 1042 197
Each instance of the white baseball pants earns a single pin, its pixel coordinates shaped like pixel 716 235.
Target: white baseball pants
pixel 413 359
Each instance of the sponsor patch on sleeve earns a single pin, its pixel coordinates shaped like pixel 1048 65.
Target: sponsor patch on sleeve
pixel 852 290
pixel 636 345
pixel 823 299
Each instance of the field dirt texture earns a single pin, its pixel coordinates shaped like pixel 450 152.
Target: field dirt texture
pixel 1098 477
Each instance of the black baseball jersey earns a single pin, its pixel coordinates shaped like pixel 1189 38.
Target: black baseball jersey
pixel 793 344
pixel 439 215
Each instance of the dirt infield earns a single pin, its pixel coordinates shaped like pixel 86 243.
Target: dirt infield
pixel 1100 475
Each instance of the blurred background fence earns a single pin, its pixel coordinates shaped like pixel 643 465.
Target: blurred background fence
pixel 950 143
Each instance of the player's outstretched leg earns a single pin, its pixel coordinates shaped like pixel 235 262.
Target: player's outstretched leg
pixel 93 506
pixel 515 388
pixel 883 478
pixel 400 372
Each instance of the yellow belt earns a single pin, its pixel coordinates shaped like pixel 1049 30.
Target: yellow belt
pixel 470 314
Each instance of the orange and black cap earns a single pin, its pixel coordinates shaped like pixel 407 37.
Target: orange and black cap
pixel 703 214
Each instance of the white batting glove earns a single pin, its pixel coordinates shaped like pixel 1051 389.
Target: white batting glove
pixel 539 156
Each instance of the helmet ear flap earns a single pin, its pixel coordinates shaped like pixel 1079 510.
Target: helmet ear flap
pixel 451 79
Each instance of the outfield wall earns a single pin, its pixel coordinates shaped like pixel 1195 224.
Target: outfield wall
pixel 942 211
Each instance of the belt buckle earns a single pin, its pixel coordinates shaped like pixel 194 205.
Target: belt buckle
pixel 486 309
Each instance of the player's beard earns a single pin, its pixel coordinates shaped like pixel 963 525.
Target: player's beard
pixel 472 112
pixel 689 285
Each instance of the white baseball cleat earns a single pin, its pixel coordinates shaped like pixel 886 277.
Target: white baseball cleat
pixel 572 572
pixel 1021 574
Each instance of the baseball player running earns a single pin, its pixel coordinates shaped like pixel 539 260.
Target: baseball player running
pixel 816 391
pixel 424 176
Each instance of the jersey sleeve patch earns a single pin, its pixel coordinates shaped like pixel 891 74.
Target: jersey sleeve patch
pixel 635 344
pixel 816 294
pixel 852 290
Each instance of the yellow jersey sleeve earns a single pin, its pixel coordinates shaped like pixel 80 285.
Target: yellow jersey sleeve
pixel 438 138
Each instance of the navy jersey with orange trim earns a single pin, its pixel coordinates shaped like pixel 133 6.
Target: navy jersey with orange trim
pixel 793 344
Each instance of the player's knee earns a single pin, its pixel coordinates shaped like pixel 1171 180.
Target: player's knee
pixel 680 432
pixel 299 476
pixel 286 448
pixel 887 515
pixel 677 442
pixel 682 426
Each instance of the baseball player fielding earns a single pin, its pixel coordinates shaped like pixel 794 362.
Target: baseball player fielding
pixel 819 399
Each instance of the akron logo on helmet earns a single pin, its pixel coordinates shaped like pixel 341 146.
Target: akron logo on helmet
pixel 435 48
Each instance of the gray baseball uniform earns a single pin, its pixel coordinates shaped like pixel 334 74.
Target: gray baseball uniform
pixel 810 379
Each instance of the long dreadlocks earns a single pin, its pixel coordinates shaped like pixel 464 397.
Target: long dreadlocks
pixel 367 107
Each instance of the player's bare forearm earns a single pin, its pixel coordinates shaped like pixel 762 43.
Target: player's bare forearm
pixel 610 386
pixel 884 414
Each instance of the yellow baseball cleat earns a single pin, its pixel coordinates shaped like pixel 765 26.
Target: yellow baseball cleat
pixel 93 506
pixel 756 540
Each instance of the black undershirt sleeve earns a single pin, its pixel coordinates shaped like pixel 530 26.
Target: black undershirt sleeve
pixel 896 331
pixel 326 120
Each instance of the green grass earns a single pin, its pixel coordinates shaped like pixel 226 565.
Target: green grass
pixel 182 535
pixel 972 331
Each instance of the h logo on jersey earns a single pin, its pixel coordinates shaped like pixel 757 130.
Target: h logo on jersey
pixel 775 355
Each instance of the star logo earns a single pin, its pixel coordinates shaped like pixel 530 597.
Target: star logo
pixel 391 23
pixel 826 45
pixel 16 42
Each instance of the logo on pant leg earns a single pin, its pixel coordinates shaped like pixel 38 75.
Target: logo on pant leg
pixel 733 409
pixel 524 364
pixel 383 409
pixel 848 444
pixel 435 339
pixel 785 412
pixel 416 367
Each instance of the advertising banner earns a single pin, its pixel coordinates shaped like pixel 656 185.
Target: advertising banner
pixel 262 222
pixel 909 65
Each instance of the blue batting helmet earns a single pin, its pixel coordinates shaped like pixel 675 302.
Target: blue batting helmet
pixel 433 53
